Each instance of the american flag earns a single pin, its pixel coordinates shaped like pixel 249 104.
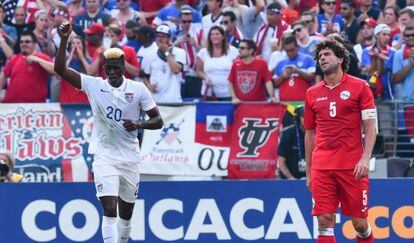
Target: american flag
pixel 9 6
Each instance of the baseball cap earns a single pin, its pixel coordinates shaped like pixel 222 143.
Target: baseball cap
pixel 381 27
pixel 370 21
pixel 273 8
pixel 186 9
pixel 95 28
pixel 165 29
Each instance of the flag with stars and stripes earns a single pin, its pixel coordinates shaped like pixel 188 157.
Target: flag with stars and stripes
pixel 9 6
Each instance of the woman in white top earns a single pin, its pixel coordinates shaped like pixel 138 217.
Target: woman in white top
pixel 214 65
pixel 124 12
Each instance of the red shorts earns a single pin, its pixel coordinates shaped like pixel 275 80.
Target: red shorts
pixel 331 188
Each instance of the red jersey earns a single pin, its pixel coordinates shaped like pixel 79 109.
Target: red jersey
pixel 130 57
pixel 28 82
pixel 249 80
pixel 335 113
pixel 152 6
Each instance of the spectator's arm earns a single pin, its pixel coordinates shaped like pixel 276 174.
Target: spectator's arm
pixel 233 95
pixel 270 89
pixel 131 69
pixel 308 76
pixel 258 7
pixel 399 76
pixel 2 80
pixel 142 20
pixel 8 51
pixel 70 75
pixel 149 15
pixel 94 67
pixel 200 70
pixel 48 66
pixel 284 169
pixel 55 3
pixel 175 67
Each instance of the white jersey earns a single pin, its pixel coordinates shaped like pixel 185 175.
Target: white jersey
pixel 109 106
pixel 207 22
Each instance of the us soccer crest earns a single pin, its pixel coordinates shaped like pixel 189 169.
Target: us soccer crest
pixel 129 97
pixel 246 81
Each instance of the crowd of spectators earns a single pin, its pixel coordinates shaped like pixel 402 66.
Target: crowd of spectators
pixel 186 49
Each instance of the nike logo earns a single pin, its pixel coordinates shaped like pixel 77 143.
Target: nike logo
pixel 124 238
pixel 105 91
pixel 364 209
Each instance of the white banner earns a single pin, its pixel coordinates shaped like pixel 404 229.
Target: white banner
pixel 172 150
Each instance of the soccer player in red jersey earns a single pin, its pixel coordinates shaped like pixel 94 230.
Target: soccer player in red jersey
pixel 337 157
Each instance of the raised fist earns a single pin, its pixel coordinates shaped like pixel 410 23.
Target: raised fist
pixel 65 29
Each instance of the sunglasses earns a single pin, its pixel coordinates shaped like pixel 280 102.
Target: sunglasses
pixel 344 8
pixel 409 35
pixel 186 21
pixel 330 3
pixel 25 41
pixel 243 48
pixel 297 30
pixel 225 22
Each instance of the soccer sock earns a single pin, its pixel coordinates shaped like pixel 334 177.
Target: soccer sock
pixel 366 237
pixel 109 230
pixel 326 235
pixel 124 229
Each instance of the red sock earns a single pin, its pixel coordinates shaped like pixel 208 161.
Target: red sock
pixel 326 239
pixel 370 239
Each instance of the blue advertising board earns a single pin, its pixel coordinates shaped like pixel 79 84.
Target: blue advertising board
pixel 201 211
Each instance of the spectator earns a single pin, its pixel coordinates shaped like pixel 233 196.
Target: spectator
pixel 249 77
pixel 214 64
pixel 20 21
pixel 94 39
pixel 214 17
pixel 328 21
pixel 377 63
pixel 269 31
pixel 290 13
pixel 295 73
pixel 311 24
pixel 307 44
pixel 79 60
pixel 7 31
pixel 150 8
pixel 189 38
pixel 30 7
pixel 43 34
pixel 391 19
pixel 125 12
pixel 402 67
pixel 130 56
pixel 130 37
pixel 233 34
pixel 170 15
pixel 93 14
pixel 291 150
pixel 249 18
pixel 6 167
pixel 164 70
pixel 366 36
pixel 28 74
pixel 145 36
pixel 57 16
pixel 406 17
pixel 351 25
pixel 368 10
pixel 75 7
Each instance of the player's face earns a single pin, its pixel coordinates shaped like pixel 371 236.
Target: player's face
pixel 328 62
pixel 114 71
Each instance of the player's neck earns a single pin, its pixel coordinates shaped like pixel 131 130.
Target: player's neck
pixel 334 78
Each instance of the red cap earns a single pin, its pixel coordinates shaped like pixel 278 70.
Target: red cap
pixel 371 22
pixel 95 28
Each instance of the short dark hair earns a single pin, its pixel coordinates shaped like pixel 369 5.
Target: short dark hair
pixel 394 8
pixel 338 49
pixel 407 11
pixel 131 24
pixel 350 3
pixel 27 33
pixel 145 30
pixel 250 44
pixel 289 39
pixel 231 15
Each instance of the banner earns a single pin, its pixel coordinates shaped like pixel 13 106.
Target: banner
pixel 49 141
pixel 255 135
pixel 203 212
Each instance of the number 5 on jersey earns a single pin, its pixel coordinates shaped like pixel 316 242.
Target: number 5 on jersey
pixel 332 109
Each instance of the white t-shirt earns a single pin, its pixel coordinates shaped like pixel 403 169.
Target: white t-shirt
pixel 145 52
pixel 218 70
pixel 207 22
pixel 109 106
pixel 168 83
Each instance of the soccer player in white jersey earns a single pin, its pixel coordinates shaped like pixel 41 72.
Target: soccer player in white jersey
pixel 115 104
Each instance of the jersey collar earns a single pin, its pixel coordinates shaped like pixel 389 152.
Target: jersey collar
pixel 120 88
pixel 343 79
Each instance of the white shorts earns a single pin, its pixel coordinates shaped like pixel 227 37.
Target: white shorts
pixel 116 178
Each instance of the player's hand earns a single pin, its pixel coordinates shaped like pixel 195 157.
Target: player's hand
pixel 362 168
pixel 131 125
pixel 65 29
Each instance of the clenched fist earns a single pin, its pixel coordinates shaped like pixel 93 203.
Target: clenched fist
pixel 65 29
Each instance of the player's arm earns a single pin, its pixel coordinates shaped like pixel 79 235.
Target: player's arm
pixel 309 146
pixel 284 169
pixel 61 68
pixel 154 122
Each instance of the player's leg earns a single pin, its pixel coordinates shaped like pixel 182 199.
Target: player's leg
pixel 354 195
pixel 106 179
pixel 128 191
pixel 324 194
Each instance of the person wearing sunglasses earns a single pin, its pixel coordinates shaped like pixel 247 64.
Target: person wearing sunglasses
pixel 403 66
pixel 351 25
pixel 28 76
pixel 233 33
pixel 329 22
pixel 124 12
pixel 93 14
pixel 307 44
pixel 369 10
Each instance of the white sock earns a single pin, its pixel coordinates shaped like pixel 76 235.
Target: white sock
pixel 109 230
pixel 124 229
pixel 366 234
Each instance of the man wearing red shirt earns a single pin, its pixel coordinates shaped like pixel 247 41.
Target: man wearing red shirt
pixel 150 8
pixel 337 161
pixel 249 76
pixel 28 79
